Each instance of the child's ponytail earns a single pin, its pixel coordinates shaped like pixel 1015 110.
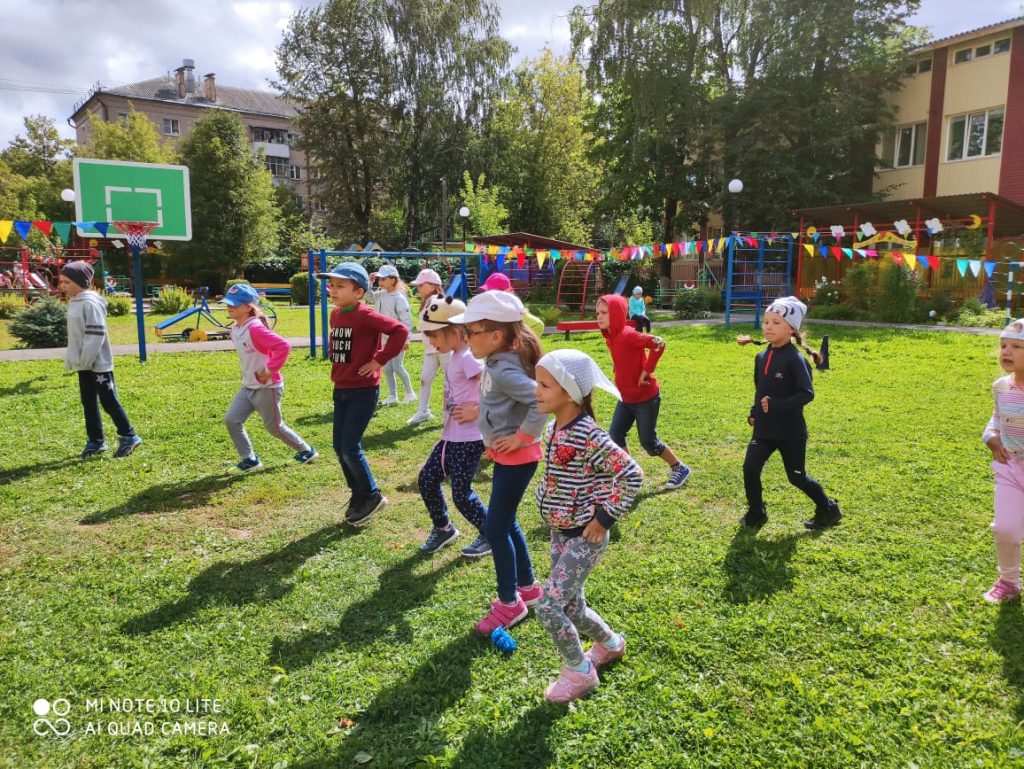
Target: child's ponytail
pixel 814 355
pixel 587 406
pixel 525 341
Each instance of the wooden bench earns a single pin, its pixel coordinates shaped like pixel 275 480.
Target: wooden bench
pixel 576 325
pixel 274 289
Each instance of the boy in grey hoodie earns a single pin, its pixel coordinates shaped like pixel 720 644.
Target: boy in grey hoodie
pixel 89 354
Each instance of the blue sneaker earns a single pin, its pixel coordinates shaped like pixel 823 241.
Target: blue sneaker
pixel 127 444
pixel 306 456
pixel 92 448
pixel 478 548
pixel 248 465
pixel 438 538
pixel 677 477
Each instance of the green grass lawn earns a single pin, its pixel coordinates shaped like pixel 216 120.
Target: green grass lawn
pixel 164 575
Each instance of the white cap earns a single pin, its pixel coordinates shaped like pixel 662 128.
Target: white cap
pixel 428 276
pixel 492 305
pixel 790 308
pixel 577 373
pixel 1014 331
pixel 387 271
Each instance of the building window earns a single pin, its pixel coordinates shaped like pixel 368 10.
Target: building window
pixel 918 67
pixel 277 166
pixel 295 172
pixel 982 50
pixel 905 146
pixel 122 116
pixel 976 135
pixel 319 206
pixel 268 135
pixel 962 56
pixel 171 127
pixel 925 65
pixel 1001 46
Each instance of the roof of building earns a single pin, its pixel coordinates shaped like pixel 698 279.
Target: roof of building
pixel 988 29
pixel 164 89
pixel 529 240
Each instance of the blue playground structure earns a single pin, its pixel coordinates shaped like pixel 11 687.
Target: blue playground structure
pixel 458 285
pixel 200 309
pixel 756 275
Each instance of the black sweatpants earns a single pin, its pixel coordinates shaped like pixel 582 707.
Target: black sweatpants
pixel 100 387
pixel 793 453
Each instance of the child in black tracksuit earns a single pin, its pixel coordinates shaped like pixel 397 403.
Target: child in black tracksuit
pixel 782 379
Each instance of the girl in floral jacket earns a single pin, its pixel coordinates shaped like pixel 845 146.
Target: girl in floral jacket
pixel 589 483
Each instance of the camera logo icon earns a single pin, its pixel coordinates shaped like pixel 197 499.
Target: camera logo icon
pixel 51 717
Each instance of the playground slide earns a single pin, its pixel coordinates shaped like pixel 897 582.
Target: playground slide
pixel 454 286
pixel 37 281
pixel 620 287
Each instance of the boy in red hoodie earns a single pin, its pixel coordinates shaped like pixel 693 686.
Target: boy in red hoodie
pixel 634 376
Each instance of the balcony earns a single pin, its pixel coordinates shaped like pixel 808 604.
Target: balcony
pixel 272 149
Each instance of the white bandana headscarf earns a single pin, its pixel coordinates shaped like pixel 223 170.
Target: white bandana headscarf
pixel 577 373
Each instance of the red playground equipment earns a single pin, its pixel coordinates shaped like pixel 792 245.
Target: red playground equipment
pixel 579 286
pixel 31 276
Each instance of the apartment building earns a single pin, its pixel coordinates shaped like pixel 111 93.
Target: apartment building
pixel 960 118
pixel 175 101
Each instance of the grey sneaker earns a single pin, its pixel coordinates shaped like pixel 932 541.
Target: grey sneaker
pixel 677 477
pixel 127 444
pixel 438 538
pixel 478 548
pixel 92 448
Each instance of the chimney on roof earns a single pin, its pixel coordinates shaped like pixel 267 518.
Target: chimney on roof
pixel 189 65
pixel 210 86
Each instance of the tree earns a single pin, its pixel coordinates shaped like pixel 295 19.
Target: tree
pixel 487 216
pixel 35 168
pixel 133 138
pixel 233 211
pixel 296 234
pixel 389 92
pixel 538 141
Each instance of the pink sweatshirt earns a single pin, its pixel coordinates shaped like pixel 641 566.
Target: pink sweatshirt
pixel 259 348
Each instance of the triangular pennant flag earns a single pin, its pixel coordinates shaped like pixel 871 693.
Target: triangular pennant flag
pixel 556 255
pixel 699 246
pixel 814 237
pixel 837 252
pixel 44 227
pixel 63 230
pixel 794 234
pixel 848 252
pixel 5 229
pixel 990 267
pixel 720 246
pixel 101 227
pixel 871 252
pixel 499 262
pixel 923 261
pixel 541 256
pixel 934 262
pixel 22 228
pixel 824 251
pixel 961 265
pixel 860 252
pixel 975 267
pixel 809 248
pixel 521 259
pixel 897 257
pixel 911 260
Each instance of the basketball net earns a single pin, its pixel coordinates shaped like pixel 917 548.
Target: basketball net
pixel 136 233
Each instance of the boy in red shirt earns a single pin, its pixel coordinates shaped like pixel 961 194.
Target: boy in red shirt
pixel 634 376
pixel 356 360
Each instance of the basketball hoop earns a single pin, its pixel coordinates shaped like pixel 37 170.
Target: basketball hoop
pixel 136 233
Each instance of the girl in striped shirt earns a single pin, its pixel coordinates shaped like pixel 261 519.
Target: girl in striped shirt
pixel 1004 436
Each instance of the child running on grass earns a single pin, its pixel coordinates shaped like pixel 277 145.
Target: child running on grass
pixel 457 455
pixel 391 301
pixel 589 483
pixel 356 360
pixel 262 354
pixel 634 358
pixel 782 381
pixel 1004 436
pixel 428 285
pixel 510 425
pixel 88 352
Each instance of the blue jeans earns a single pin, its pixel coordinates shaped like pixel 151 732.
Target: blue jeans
pixel 353 409
pixel 508 545
pixel 645 414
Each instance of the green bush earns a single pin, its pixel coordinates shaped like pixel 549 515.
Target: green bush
pixel 300 288
pixel 938 306
pixel 825 292
pixel 714 298
pixel 233 282
pixel 42 324
pixel 549 315
pixel 896 295
pixel 10 305
pixel 119 305
pixel 976 315
pixel 171 300
pixel 857 284
pixel 835 312
pixel 690 304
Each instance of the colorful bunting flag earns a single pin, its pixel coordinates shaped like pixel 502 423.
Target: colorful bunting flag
pixel 961 265
pixel 911 260
pixel 101 227
pixel 22 228
pixel 63 230
pixel 934 262
pixel 975 267
pixel 5 229
pixel 990 267
pixel 44 227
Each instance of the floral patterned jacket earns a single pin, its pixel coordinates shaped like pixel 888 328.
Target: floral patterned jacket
pixel 586 476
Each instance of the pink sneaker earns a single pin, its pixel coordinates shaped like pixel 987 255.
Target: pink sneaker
pixel 531 595
pixel 572 685
pixel 600 655
pixel 501 615
pixel 1002 591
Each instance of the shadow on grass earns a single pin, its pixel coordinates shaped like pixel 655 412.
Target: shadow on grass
pixel 228 583
pixel 17 473
pixel 380 615
pixel 757 567
pixel 168 497
pixel 524 746
pixel 1006 639
pixel 23 388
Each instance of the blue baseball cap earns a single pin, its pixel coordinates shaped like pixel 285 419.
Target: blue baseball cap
pixel 348 271
pixel 241 293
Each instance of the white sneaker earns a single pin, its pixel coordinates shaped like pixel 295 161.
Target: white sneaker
pixel 389 401
pixel 411 398
pixel 419 417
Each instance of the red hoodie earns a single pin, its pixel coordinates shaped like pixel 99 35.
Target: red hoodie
pixel 629 353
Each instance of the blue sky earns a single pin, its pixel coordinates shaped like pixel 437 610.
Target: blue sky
pixel 68 45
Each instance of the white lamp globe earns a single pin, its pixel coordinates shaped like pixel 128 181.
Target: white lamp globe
pixel 67 195
pixel 464 212
pixel 736 186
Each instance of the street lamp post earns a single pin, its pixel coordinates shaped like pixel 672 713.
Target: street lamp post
pixel 735 188
pixel 464 213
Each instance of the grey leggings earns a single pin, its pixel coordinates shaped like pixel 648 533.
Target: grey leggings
pixel 267 401
pixel 563 610
pixel 397 366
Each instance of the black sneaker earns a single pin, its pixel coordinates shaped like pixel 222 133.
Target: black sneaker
pixel 126 444
pixel 92 448
pixel 755 519
pixel 478 548
pixel 825 518
pixel 361 513
pixel 438 538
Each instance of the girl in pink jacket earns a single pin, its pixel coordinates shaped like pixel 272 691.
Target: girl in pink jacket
pixel 262 353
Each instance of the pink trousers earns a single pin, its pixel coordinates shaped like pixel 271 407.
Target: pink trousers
pixel 1008 524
